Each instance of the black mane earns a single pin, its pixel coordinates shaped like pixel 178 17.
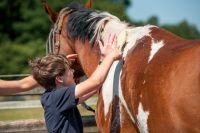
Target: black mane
pixel 80 25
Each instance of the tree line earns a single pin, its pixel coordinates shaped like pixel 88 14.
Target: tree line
pixel 25 26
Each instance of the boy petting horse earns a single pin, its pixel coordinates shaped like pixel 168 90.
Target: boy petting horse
pixel 62 95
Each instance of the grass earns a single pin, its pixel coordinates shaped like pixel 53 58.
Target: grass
pixel 31 113
pixel 20 114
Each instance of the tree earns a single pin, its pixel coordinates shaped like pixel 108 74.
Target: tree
pixel 25 27
pixel 23 21
pixel 153 20
pixel 184 29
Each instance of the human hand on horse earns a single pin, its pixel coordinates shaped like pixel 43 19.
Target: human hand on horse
pixel 110 48
pixel 72 57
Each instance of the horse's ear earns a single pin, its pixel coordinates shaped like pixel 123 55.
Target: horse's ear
pixel 53 15
pixel 88 4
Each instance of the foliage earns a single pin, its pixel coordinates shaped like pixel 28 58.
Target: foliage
pixel 183 29
pixel 25 27
pixel 23 21
pixel 15 56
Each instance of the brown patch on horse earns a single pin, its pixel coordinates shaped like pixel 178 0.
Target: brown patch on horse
pixel 103 123
pixel 178 88
pixel 133 72
pixel 127 125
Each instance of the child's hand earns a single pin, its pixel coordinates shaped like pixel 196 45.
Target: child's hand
pixel 72 57
pixel 110 48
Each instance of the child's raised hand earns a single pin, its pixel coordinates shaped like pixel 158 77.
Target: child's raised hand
pixel 110 48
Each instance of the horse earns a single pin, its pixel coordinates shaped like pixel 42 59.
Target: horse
pixel 155 87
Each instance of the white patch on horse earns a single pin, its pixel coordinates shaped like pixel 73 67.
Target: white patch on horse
pixel 134 35
pixel 112 27
pixel 107 88
pixel 142 118
pixel 155 47
pixel 112 84
pixel 107 17
pixel 121 116
pixel 144 82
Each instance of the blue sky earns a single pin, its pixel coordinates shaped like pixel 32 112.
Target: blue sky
pixel 168 11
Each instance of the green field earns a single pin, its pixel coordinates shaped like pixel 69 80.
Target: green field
pixel 31 113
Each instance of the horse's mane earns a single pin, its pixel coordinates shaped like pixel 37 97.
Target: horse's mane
pixel 86 24
pixel 83 24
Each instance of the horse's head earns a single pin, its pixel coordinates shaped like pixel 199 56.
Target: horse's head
pixel 76 29
pixel 58 41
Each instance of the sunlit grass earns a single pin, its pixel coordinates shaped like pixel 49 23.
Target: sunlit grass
pixel 19 114
pixel 31 113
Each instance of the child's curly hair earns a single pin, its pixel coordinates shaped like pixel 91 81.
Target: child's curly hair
pixel 46 69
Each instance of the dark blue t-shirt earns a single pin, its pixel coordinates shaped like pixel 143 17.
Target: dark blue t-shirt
pixel 61 113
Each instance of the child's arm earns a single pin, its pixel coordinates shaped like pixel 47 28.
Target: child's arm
pixel 98 77
pixel 25 84
pixel 87 96
pixel 16 86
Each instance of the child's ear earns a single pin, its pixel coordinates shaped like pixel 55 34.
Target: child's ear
pixel 59 79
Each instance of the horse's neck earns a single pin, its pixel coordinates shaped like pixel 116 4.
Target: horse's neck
pixel 88 56
pixel 92 54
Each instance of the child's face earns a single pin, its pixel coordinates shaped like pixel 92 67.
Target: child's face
pixel 68 77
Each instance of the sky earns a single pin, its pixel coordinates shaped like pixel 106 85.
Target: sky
pixel 168 11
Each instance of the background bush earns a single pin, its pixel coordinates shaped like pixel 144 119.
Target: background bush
pixel 25 27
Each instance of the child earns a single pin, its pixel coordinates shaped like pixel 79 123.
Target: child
pixel 62 95
pixel 25 84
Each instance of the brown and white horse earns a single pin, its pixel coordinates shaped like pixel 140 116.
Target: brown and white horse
pixel 156 88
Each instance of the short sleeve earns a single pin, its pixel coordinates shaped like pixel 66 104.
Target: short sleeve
pixel 64 98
